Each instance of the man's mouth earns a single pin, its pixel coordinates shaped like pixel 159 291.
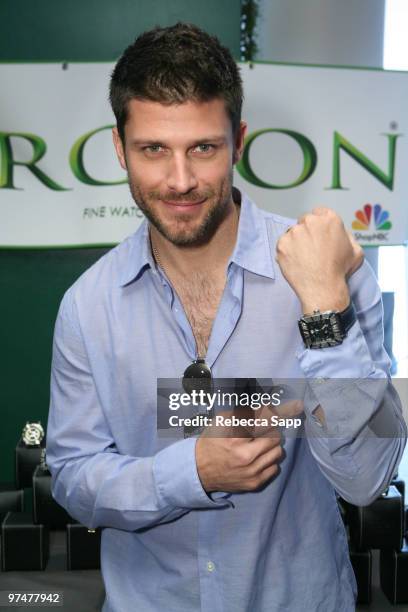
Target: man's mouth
pixel 183 205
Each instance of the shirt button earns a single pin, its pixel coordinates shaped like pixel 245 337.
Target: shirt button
pixel 210 566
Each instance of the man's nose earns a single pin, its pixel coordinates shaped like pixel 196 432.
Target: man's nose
pixel 181 176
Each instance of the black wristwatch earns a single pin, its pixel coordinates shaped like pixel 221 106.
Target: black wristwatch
pixel 323 329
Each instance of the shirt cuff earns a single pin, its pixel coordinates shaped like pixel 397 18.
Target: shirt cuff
pixel 177 479
pixel 350 359
pixel 342 380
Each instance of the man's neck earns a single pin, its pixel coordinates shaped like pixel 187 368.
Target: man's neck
pixel 209 258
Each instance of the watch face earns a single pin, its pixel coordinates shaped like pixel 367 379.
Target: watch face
pixel 32 434
pixel 321 330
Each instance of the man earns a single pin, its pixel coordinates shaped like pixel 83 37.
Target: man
pixel 215 523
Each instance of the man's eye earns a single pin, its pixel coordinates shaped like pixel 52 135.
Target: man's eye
pixel 153 149
pixel 204 148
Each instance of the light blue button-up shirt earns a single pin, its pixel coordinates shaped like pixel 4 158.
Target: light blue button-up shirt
pixel 166 544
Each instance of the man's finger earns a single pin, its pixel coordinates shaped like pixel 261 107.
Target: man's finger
pixel 358 254
pixel 286 409
pixel 289 409
pixel 263 444
pixel 321 210
pixel 271 457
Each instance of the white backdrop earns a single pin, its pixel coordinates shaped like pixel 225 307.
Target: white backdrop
pixel 53 108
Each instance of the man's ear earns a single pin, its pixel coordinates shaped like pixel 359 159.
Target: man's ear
pixel 239 141
pixel 117 141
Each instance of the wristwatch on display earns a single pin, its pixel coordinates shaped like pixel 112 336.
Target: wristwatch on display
pixel 329 328
pixel 33 433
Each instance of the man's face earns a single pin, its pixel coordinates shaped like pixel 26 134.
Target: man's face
pixel 179 160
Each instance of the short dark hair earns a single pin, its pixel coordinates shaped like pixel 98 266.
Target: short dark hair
pixel 173 65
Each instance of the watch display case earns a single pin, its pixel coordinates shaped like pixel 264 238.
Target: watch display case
pixel 25 546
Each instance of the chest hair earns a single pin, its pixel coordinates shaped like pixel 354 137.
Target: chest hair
pixel 200 296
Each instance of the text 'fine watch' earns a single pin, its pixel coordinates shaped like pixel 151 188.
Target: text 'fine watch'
pixel 324 329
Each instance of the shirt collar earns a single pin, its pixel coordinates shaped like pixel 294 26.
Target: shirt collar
pixel 139 255
pixel 252 249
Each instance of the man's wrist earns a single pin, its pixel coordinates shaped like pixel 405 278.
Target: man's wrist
pixel 336 299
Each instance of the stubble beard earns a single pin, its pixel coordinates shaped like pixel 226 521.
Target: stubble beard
pixel 180 234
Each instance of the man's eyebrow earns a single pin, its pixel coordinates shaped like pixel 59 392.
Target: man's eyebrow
pixel 204 140
pixel 210 139
pixel 145 141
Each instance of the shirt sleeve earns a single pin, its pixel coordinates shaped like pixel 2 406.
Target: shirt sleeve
pixel 363 438
pixel 96 484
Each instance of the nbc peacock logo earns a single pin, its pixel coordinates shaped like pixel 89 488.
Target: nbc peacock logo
pixel 368 217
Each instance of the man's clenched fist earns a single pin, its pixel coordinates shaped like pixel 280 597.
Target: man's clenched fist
pixel 316 257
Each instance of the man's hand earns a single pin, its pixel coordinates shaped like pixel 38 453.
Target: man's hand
pixel 316 257
pixel 242 463
pixel 237 464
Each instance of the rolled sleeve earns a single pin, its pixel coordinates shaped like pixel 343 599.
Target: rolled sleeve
pixel 91 479
pixel 177 479
pixel 350 359
pixel 362 439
